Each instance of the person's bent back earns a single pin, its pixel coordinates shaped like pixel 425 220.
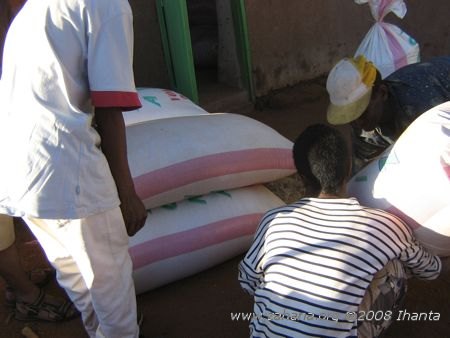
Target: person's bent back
pixel 312 262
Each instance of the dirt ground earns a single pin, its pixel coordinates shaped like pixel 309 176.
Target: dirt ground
pixel 201 306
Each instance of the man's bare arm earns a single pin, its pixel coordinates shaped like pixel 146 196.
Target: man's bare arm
pixel 111 128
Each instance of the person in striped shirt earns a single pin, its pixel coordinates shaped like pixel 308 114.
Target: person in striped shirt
pixel 327 266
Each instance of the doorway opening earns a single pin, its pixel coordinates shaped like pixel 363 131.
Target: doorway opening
pixel 216 62
pixel 207 52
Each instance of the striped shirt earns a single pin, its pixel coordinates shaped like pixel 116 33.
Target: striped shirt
pixel 312 261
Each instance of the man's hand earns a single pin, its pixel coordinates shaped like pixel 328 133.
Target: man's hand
pixel 133 212
pixel 111 128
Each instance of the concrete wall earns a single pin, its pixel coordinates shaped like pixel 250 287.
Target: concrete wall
pixel 296 40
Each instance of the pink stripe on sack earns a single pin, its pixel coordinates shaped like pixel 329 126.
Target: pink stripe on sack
pixel 187 241
pixel 446 167
pixel 396 49
pixel 216 165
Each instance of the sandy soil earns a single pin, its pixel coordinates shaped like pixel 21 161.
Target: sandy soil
pixel 200 306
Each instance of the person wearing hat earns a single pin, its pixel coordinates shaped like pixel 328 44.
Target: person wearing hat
pixel 379 110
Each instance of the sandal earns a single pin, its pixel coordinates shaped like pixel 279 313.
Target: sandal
pixel 46 308
pixel 39 277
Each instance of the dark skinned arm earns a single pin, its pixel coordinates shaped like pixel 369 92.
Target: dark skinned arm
pixel 111 127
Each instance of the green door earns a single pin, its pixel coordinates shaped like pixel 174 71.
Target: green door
pixel 174 24
pixel 243 45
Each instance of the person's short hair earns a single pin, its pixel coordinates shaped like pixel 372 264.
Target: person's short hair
pixel 322 157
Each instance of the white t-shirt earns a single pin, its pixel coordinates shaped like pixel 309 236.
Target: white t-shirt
pixel 61 59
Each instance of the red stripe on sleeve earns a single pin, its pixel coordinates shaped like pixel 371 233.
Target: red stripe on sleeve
pixel 124 100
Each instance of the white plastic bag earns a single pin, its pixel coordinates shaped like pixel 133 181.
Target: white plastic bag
pixel 386 45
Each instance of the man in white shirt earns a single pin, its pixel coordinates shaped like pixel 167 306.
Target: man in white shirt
pixel 65 62
pixel 24 291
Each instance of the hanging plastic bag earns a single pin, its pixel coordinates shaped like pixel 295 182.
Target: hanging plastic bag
pixel 386 45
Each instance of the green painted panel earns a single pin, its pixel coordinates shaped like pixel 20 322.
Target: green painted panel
pixel 174 25
pixel 243 45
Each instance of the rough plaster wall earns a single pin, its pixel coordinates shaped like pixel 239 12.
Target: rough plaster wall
pixel 149 64
pixel 296 40
pixel 427 21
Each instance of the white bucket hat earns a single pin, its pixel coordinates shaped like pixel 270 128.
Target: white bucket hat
pixel 349 86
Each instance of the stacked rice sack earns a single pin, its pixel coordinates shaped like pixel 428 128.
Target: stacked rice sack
pixel 412 179
pixel 200 176
pixel 159 104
